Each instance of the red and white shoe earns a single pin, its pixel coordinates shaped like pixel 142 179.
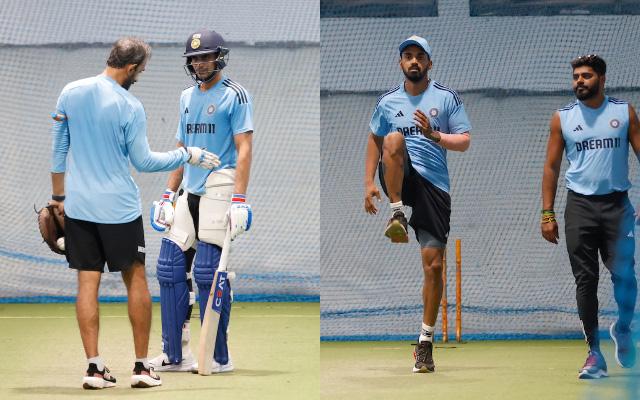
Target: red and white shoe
pixel 96 379
pixel 144 377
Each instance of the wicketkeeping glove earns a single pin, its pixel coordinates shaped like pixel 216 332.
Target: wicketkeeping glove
pixel 51 226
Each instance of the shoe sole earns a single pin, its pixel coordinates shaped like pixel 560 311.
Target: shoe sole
pixel 93 383
pixel 597 375
pixel 397 233
pixel 422 370
pixel 144 381
pixel 615 341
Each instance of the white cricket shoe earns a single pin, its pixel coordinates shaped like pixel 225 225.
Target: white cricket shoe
pixel 216 368
pixel 161 363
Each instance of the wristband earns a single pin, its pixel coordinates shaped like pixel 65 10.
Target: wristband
pixel 169 195
pixel 238 198
pixel 56 197
pixel 548 216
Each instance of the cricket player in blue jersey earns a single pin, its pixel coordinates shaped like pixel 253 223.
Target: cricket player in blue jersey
pixel 216 113
pixel 595 132
pixel 100 127
pixel 412 127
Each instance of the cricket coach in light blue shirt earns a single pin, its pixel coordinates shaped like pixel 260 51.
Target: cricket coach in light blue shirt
pixel 99 128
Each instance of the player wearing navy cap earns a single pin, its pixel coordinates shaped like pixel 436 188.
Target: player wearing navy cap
pixel 412 127
pixel 595 132
pixel 216 114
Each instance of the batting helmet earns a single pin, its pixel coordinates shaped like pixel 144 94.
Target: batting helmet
pixel 205 42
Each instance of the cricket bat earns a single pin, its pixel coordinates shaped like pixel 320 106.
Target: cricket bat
pixel 209 330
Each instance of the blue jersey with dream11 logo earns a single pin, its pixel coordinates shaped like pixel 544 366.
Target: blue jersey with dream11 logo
pixel 210 120
pixel 443 106
pixel 597 146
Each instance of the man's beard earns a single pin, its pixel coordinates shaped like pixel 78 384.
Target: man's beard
pixel 415 76
pixel 586 94
pixel 206 78
pixel 127 84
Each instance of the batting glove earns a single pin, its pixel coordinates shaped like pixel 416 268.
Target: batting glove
pixel 201 158
pixel 239 215
pixel 162 211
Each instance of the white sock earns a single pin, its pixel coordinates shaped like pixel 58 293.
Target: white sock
pixel 397 206
pixel 186 333
pixel 97 360
pixel 426 333
pixel 143 361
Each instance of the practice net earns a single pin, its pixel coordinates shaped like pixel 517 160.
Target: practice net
pixel 512 73
pixel 274 54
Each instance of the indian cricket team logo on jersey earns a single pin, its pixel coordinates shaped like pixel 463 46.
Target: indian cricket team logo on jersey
pixel 433 112
pixel 614 123
pixel 211 109
pixel 195 41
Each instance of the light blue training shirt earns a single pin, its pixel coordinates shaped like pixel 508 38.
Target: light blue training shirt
pixel 394 112
pixel 104 129
pixel 597 146
pixel 210 120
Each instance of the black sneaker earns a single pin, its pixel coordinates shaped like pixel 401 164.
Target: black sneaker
pixel 144 377
pixel 397 228
pixel 423 354
pixel 96 379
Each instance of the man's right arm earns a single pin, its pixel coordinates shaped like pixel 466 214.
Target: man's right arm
pixel 141 156
pixel 60 149
pixel 378 125
pixel 374 150
pixel 61 138
pixel 555 148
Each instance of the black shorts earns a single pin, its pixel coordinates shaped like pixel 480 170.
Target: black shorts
pixel 430 205
pixel 90 244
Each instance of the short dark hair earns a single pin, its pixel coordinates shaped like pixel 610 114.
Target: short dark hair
pixel 590 60
pixel 128 50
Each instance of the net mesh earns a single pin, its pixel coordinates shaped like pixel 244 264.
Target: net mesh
pixel 274 55
pixel 512 73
